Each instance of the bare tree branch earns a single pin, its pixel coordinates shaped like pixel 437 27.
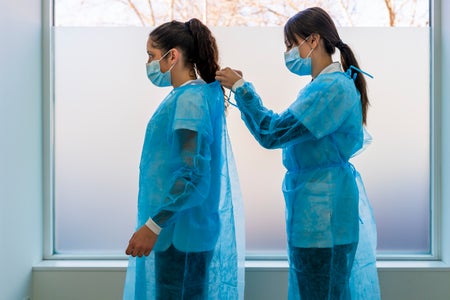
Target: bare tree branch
pixel 172 5
pixel 152 14
pixel 391 11
pixel 137 12
pixel 346 14
pixel 413 18
pixel 278 14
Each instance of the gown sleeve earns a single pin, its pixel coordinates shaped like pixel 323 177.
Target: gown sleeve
pixel 270 129
pixel 324 104
pixel 189 159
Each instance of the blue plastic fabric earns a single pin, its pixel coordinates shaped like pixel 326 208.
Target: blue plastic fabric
pixel 330 226
pixel 189 185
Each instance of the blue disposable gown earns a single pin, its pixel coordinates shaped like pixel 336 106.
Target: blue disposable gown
pixel 326 204
pixel 189 185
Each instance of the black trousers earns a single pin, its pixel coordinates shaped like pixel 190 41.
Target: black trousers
pixel 182 275
pixel 323 273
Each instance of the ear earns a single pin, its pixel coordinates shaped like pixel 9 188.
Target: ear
pixel 174 55
pixel 315 40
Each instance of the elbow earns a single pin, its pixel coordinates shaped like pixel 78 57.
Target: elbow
pixel 269 144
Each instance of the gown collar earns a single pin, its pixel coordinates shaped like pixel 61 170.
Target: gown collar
pixel 331 68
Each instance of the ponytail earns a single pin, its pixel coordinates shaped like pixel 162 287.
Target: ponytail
pixel 316 20
pixel 348 59
pixel 207 54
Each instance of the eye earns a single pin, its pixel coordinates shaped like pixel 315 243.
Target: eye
pixel 289 47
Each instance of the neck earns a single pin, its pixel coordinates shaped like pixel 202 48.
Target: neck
pixel 320 64
pixel 181 77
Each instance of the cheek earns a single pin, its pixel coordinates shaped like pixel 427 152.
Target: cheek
pixel 303 52
pixel 163 65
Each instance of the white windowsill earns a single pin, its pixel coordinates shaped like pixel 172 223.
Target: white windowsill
pixel 250 265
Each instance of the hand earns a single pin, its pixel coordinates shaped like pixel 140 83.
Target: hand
pixel 142 242
pixel 227 77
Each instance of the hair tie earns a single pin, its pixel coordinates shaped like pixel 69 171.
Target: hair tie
pixel 187 25
pixel 339 44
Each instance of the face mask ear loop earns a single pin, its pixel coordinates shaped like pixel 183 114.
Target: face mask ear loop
pixel 304 41
pixel 164 55
pixel 171 67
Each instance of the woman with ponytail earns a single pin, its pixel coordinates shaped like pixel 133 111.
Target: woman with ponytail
pixel 189 240
pixel 329 222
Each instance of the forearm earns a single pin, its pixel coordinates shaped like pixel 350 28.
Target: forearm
pixel 270 129
pixel 189 184
pixel 253 113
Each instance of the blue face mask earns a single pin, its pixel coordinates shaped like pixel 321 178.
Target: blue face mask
pixel 155 75
pixel 296 64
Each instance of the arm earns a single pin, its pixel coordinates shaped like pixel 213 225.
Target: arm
pixel 191 174
pixel 275 131
pixel 271 130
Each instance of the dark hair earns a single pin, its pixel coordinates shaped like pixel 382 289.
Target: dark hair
pixel 196 42
pixel 316 20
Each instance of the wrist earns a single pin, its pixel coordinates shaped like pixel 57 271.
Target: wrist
pixel 153 226
pixel 237 84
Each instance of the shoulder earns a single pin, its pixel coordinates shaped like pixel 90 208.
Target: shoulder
pixel 192 92
pixel 199 95
pixel 332 84
pixel 326 89
pixel 336 79
pixel 199 88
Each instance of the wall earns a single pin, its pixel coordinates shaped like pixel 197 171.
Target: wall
pixel 20 148
pixel 104 281
pixel 444 75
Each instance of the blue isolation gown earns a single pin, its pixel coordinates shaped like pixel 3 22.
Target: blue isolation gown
pixel 326 204
pixel 189 185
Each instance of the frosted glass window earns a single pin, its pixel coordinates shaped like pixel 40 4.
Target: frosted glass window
pixel 103 101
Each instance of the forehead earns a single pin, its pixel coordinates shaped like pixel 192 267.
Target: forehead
pixel 151 48
pixel 290 42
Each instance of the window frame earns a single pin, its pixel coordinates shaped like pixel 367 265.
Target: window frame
pixel 436 153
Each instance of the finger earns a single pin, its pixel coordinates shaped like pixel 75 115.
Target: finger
pixel 128 250
pixel 220 74
pixel 134 253
pixel 139 253
pixel 224 71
